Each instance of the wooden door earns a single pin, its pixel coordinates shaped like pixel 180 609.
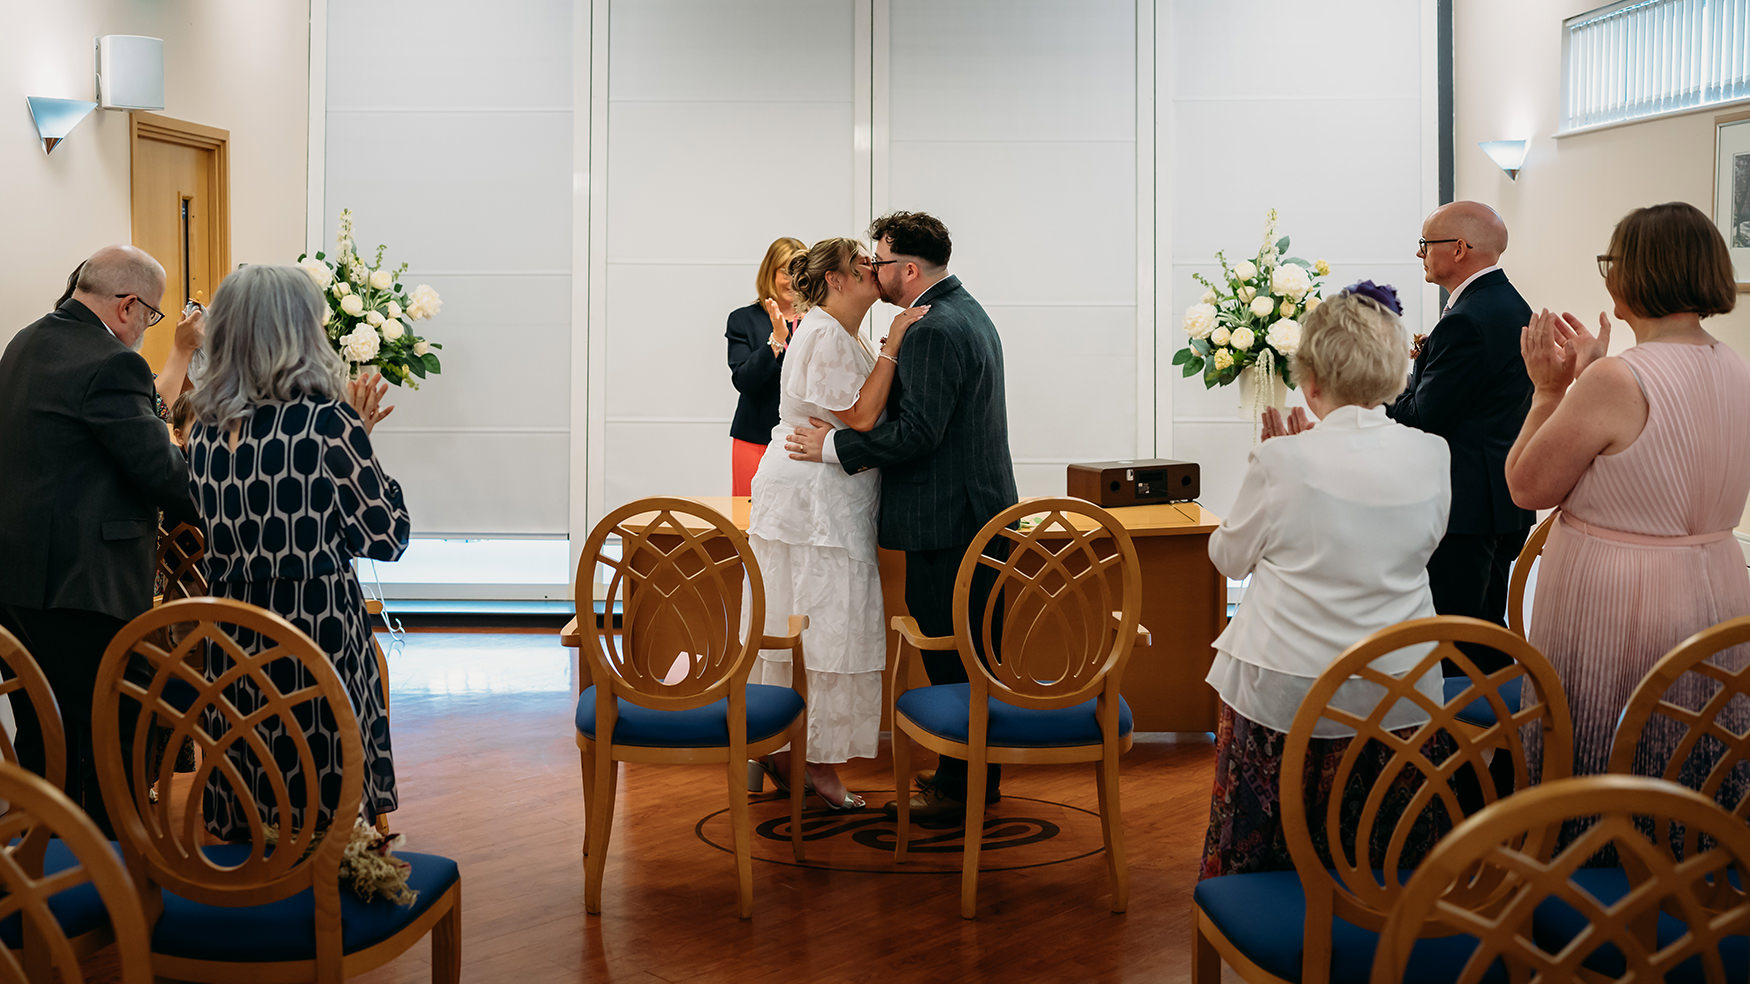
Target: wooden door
pixel 181 213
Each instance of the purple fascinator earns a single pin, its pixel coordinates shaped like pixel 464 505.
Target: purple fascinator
pixel 1385 294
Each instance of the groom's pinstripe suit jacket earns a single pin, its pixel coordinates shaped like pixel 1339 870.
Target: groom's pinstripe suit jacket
pixel 943 450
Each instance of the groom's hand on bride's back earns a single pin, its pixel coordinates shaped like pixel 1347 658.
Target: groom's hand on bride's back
pixel 804 442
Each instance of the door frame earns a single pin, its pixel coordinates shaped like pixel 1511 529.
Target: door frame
pixel 165 129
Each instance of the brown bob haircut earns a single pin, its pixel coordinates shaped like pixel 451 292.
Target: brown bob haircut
pixel 1670 259
pixel 778 257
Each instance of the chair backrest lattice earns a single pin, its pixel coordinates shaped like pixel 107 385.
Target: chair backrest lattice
pixel 1688 721
pixel 179 561
pixel 1065 598
pixel 1521 577
pixel 25 892
pixel 676 582
pixel 19 673
pixel 1511 845
pixel 1395 791
pixel 250 690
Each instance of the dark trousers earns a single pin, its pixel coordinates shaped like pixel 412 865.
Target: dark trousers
pixel 1468 576
pixel 68 644
pixel 929 597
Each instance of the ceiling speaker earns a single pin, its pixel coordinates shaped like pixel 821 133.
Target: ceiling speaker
pixel 130 72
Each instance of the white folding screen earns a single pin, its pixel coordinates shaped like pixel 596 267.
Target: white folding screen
pixel 1335 130
pixel 728 125
pixel 1015 123
pixel 449 136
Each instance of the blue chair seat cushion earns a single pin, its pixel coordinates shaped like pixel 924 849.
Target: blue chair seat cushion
pixel 79 909
pixel 1478 712
pixel 770 710
pixel 286 930
pixel 1264 916
pixel 1556 923
pixel 944 710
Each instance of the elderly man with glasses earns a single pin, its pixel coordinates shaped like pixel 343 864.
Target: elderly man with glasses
pixel 88 465
pixel 1468 385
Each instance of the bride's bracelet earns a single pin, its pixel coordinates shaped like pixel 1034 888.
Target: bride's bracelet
pixel 891 358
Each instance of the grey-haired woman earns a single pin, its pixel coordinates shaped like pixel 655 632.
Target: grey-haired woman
pixel 290 490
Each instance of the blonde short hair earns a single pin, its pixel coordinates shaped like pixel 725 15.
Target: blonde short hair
pixel 1355 350
pixel 778 257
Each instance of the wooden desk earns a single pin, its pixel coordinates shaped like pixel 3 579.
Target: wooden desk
pixel 1184 606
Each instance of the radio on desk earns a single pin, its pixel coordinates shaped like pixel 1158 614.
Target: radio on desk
pixel 1134 483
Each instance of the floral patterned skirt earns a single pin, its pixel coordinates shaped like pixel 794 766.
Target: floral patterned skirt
pixel 1245 810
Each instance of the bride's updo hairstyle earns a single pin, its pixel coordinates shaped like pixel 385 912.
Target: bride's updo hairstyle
pixel 1354 346
pixel 808 270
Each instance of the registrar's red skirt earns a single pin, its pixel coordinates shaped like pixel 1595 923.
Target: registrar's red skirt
pixel 744 460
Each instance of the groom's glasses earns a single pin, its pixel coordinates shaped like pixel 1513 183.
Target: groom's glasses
pixel 881 263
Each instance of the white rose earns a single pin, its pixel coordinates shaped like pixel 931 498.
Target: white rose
pixel 1199 320
pixel 1312 302
pixel 1245 270
pixel 394 309
pixel 1223 358
pixel 1262 305
pixel 1287 309
pixel 1208 297
pixel 421 347
pixel 360 344
pixel 1246 293
pixel 342 288
pixel 1243 338
pixel 423 303
pixel 382 279
pixel 318 272
pixel 1284 336
pixel 1219 337
pixel 373 318
pixel 1290 280
pixel 352 304
pixel 393 330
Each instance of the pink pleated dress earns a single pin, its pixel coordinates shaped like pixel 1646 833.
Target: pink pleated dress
pixel 1643 554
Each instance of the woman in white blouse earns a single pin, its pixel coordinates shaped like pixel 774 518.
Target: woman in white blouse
pixel 812 526
pixel 1335 525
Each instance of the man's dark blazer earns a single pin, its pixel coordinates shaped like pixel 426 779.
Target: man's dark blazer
pixel 754 370
pixel 943 450
pixel 86 467
pixel 1469 386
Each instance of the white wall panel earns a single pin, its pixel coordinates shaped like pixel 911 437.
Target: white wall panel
pixel 666 342
pixel 667 457
pixel 453 479
pixel 747 51
pixel 1343 49
pixel 426 53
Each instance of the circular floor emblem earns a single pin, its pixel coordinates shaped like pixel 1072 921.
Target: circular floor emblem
pixel 1019 832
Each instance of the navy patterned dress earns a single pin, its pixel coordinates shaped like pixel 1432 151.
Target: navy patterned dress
pixel 286 513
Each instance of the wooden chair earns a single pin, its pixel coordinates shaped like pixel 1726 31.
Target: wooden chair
pixel 1342 900
pixel 284 914
pixel 46 918
pixel 1521 576
pixel 1069 594
pixel 672 685
pixel 1676 924
pixel 179 561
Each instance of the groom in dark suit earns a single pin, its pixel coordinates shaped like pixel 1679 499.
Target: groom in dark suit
pixel 943 452
pixel 1469 386
pixel 88 464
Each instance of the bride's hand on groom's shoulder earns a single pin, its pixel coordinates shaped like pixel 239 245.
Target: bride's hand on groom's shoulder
pixel 901 321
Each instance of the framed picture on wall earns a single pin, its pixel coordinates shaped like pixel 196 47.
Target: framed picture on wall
pixel 1732 190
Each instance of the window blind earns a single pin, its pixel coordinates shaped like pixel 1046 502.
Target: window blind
pixel 1642 58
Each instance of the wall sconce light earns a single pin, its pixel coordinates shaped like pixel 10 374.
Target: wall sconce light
pixel 1508 155
pixel 55 118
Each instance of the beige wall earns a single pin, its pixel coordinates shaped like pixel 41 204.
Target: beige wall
pixel 243 67
pixel 1506 81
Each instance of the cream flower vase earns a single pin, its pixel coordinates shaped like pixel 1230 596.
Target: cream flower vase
pixel 1258 391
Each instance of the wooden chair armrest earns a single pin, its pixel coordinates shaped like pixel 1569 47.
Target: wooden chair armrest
pixel 907 627
pixel 569 636
pixel 1143 636
pixel 791 640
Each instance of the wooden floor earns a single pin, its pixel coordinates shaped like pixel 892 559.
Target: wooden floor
pixel 487 768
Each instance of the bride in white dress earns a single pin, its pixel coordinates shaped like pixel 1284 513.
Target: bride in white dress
pixel 812 526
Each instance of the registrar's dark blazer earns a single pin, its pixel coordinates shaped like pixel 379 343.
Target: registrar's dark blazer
pixel 943 450
pixel 1469 386
pixel 85 465
pixel 754 370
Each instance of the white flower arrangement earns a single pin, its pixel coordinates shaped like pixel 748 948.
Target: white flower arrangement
pixel 1247 320
pixel 369 309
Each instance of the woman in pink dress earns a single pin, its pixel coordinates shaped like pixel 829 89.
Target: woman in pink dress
pixel 1646 455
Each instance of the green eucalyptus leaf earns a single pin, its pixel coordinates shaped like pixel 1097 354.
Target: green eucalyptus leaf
pixel 1193 367
pixel 1282 245
pixel 1182 356
pixel 431 362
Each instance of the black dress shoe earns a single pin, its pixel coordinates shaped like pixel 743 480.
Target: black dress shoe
pixel 931 804
pixel 926 781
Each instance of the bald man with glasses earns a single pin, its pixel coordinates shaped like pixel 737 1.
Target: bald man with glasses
pixel 88 465
pixel 1468 385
